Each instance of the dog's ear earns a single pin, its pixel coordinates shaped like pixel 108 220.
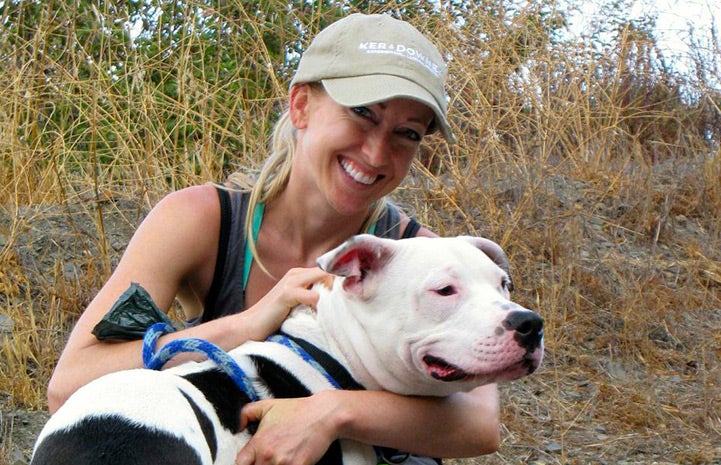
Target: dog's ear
pixel 494 252
pixel 357 258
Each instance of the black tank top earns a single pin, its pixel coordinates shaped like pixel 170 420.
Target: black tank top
pixel 226 295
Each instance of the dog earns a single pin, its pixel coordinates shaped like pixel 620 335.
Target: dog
pixel 421 316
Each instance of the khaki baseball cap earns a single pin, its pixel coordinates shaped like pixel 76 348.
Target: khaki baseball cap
pixel 365 59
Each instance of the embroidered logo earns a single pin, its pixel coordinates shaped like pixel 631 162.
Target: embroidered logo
pixel 404 51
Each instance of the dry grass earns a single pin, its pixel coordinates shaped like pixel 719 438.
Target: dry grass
pixel 600 181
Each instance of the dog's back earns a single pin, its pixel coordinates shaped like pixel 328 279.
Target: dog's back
pixel 184 415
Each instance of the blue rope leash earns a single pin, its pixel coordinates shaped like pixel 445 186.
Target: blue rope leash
pixel 287 342
pixel 155 361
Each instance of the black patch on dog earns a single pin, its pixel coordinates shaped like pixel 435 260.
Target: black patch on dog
pixel 206 426
pixel 228 399
pixel 284 384
pixel 221 391
pixel 111 440
pixel 337 371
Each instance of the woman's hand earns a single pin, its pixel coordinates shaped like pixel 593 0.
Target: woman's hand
pixel 299 431
pixel 291 431
pixel 294 288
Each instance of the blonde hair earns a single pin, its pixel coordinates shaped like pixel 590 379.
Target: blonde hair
pixel 273 178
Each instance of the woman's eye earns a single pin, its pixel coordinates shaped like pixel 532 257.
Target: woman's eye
pixel 412 135
pixel 362 111
pixel 446 291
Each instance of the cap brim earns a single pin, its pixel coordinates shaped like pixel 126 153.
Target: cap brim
pixel 367 90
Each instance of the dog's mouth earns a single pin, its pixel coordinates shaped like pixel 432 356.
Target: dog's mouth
pixel 442 370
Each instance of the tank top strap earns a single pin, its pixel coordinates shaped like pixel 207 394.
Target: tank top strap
pixel 248 259
pixel 388 224
pixel 226 295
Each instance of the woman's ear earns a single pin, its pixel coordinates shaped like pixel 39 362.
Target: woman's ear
pixel 299 100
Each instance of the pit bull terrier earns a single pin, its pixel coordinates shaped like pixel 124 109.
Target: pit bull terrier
pixel 420 316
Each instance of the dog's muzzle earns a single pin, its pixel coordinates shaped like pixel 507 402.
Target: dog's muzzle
pixel 528 327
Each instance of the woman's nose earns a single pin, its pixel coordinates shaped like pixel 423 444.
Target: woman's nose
pixel 376 148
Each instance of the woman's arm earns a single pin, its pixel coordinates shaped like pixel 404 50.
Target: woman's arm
pixel 174 247
pixel 299 431
pixel 460 425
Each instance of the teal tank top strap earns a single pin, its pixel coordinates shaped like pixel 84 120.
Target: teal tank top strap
pixel 386 226
pixel 257 220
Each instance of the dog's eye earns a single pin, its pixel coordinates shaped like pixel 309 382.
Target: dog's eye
pixel 446 291
pixel 507 284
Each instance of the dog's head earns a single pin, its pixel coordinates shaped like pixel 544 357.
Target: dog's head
pixel 427 316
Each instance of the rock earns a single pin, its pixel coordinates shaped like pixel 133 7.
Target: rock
pixel 7 324
pixel 554 448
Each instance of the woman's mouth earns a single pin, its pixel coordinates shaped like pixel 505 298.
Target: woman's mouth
pixel 354 172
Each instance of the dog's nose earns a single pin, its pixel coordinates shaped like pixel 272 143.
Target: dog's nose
pixel 528 327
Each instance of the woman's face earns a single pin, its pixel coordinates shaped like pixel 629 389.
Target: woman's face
pixel 356 155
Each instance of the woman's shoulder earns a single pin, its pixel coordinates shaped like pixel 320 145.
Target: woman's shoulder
pixel 195 201
pixel 185 212
pixel 184 225
pixel 193 195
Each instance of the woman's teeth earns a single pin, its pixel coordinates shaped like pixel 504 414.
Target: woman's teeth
pixel 356 174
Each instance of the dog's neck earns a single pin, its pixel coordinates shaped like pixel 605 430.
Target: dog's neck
pixel 324 328
pixel 302 322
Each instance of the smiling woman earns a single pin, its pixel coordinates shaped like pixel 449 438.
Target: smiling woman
pixel 369 161
pixel 352 128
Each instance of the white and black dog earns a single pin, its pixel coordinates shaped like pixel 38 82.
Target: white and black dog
pixel 420 316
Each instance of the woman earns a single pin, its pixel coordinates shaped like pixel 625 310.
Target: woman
pixel 365 93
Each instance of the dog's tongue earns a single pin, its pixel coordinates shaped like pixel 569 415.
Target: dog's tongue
pixel 442 370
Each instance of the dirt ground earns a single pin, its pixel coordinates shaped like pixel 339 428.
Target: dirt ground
pixel 19 430
pixel 567 413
